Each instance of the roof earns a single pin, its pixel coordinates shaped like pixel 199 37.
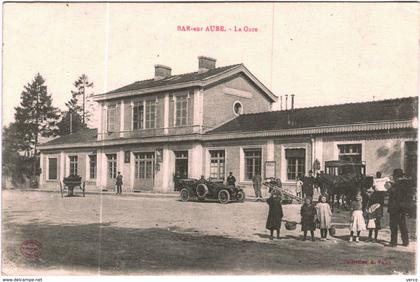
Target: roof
pixel 173 79
pixel 341 114
pixel 81 136
pixel 183 81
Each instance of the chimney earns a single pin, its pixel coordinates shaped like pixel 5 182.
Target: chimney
pixel 293 102
pixel 286 100
pixel 206 63
pixel 162 71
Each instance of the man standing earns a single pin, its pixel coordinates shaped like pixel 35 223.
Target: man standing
pixel 397 207
pixel 256 182
pixel 308 185
pixel 231 180
pixel 119 183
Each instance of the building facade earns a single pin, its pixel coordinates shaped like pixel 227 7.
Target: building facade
pixel 220 119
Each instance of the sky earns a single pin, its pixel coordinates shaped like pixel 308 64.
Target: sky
pixel 324 53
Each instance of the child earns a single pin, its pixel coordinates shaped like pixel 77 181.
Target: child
pixel 308 213
pixel 357 222
pixel 375 213
pixel 275 213
pixel 299 185
pixel 323 213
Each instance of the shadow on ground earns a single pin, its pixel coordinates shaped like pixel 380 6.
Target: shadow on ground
pixel 109 249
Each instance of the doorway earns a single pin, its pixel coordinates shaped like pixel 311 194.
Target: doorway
pixel 144 172
pixel 181 165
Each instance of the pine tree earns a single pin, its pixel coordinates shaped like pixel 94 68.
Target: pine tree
pixel 35 117
pixel 77 103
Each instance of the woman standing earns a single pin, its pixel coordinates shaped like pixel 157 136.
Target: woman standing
pixel 275 213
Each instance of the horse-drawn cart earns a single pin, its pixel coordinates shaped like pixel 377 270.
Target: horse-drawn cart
pixel 70 183
pixel 343 180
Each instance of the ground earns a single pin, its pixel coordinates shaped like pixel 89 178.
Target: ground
pixel 152 235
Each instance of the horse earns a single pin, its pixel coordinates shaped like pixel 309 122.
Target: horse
pixel 339 188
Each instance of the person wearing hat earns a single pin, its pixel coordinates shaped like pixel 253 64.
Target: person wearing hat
pixel 398 208
pixel 308 185
pixel 119 183
pixel 275 213
pixel 231 180
pixel 357 222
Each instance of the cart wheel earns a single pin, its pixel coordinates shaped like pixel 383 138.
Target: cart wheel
pixel 185 195
pixel 223 196
pixel 240 196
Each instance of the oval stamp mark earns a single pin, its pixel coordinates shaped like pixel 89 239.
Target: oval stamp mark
pixel 31 248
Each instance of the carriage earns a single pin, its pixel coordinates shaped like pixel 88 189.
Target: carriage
pixel 343 179
pixel 203 189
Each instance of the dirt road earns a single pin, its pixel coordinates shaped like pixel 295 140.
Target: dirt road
pixel 135 235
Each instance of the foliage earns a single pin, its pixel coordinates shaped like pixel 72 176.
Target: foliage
pixel 35 117
pixel 15 165
pixel 77 104
pixel 64 124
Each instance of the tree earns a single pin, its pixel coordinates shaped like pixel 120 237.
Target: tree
pixel 82 86
pixel 15 164
pixel 64 123
pixel 35 117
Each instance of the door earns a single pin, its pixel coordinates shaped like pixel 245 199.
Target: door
pixel 181 164
pixel 144 172
pixel 111 171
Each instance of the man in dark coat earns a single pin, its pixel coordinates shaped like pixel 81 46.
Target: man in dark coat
pixel 308 185
pixel 119 183
pixel 399 199
pixel 231 180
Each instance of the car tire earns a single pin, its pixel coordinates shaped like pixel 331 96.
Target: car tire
pixel 202 190
pixel 185 195
pixel 240 196
pixel 223 196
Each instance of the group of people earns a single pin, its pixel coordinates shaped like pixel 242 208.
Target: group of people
pixel 363 217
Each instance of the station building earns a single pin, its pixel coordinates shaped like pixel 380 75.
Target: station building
pixel 220 119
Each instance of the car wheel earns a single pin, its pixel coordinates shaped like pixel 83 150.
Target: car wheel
pixel 202 191
pixel 240 196
pixel 185 195
pixel 223 196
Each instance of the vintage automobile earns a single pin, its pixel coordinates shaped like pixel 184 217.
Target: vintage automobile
pixel 203 189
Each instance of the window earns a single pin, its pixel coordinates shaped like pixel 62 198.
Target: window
pixel 143 165
pixel 92 166
pixel 181 110
pixel 237 108
pixel 217 164
pixel 73 165
pixel 150 114
pixel 295 163
pixel 252 163
pixel 138 116
pixel 350 152
pixel 111 118
pixel 52 168
pixel 112 165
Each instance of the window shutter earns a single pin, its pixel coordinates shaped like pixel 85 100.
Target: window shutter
pixel 128 116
